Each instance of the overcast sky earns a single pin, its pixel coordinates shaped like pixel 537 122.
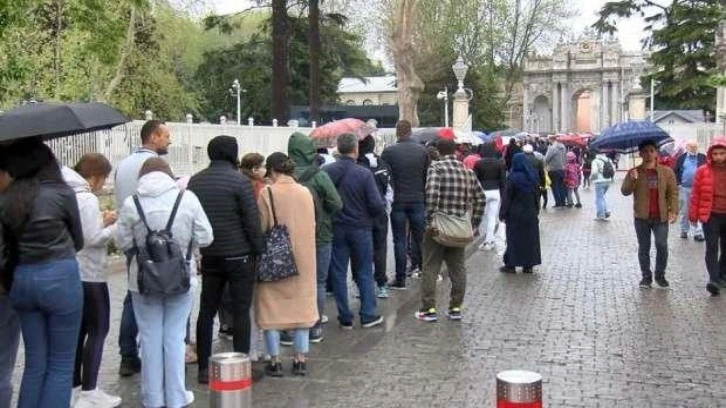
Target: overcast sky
pixel 630 31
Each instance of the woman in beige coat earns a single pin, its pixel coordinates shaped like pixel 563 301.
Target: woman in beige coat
pixel 289 303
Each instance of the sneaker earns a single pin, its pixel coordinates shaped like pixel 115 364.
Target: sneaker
pixel 662 283
pixel 607 214
pixel 684 235
pixel 382 292
pixel 397 286
pixel 345 325
pixel 286 338
pixel 273 369
pixel 226 332
pixel 454 313
pixel 413 272
pixel 316 334
pixel 578 205
pixel 190 398
pixel 527 270
pixel 713 289
pixel 75 393
pixel 300 368
pixel 645 283
pixel 190 356
pixel 507 269
pixel 129 366
pixel 427 315
pixel 699 238
pixel 97 398
pixel 203 376
pixel 372 323
pixel 323 319
pixel 603 219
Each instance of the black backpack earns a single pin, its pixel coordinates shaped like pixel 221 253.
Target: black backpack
pixel 164 269
pixel 608 171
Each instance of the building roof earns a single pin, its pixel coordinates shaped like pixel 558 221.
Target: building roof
pixel 692 116
pixel 375 84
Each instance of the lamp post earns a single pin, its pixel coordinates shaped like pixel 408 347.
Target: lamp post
pixel 462 96
pixel 236 90
pixel 444 95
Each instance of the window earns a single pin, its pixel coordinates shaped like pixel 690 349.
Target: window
pixel 367 102
pixel 350 102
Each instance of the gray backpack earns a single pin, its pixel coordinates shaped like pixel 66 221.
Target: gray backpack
pixel 164 269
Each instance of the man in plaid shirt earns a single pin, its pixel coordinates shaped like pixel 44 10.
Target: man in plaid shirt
pixel 452 189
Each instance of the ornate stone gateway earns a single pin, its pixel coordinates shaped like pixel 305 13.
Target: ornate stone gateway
pixel 586 85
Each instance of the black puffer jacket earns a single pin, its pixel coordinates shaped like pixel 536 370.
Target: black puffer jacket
pixel 229 202
pixel 53 230
pixel 409 163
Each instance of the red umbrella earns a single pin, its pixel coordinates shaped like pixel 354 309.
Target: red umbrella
pixel 574 139
pixel 327 134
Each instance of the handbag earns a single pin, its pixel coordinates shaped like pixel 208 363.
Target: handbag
pixel 276 262
pixel 452 230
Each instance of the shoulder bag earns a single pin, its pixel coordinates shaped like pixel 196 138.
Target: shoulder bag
pixel 276 262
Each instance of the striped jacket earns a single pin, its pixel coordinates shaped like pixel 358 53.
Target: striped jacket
pixel 453 189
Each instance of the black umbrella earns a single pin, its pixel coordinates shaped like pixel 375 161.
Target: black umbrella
pixel 51 120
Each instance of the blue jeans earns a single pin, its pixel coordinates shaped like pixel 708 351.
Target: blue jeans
pixel 129 330
pixel 415 215
pixel 684 198
pixel 322 255
pixel 49 300
pixel 601 204
pixel 559 190
pixel 162 326
pixel 353 245
pixel 9 340
pixel 300 341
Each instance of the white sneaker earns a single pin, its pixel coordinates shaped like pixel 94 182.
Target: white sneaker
pixel 97 399
pixel 75 393
pixel 190 398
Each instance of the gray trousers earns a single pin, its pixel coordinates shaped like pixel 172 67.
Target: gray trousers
pixel 643 230
pixel 9 341
pixel 434 254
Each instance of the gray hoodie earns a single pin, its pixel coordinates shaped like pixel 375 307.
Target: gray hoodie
pixel 556 157
pixel 157 193
pixel 92 259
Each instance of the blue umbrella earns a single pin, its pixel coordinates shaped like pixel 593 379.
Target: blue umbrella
pixel 625 137
pixel 485 138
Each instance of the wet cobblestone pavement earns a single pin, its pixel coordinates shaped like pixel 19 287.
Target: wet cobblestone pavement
pixel 580 320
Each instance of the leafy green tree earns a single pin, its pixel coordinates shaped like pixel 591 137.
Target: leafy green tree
pixel 681 35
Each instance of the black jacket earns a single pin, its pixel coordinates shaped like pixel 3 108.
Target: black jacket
pixel 53 230
pixel 678 169
pixel 229 202
pixel 409 163
pixel 491 172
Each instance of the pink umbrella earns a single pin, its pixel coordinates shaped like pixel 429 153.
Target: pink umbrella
pixel 327 134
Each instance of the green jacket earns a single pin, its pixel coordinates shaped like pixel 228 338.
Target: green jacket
pixel 301 149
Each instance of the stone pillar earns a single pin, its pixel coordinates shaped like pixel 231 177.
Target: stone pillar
pixel 564 109
pixel 595 122
pixel 605 107
pixel 461 108
pixel 555 108
pixel 615 104
pixel 636 106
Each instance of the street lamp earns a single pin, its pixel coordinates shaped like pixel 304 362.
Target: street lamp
pixel 460 69
pixel 235 91
pixel 444 95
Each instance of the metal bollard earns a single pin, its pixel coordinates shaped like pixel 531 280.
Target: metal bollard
pixel 230 381
pixel 519 389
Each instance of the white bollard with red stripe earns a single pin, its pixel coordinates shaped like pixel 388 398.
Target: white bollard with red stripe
pixel 230 381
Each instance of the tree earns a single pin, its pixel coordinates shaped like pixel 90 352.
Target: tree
pixel 409 84
pixel 314 22
pixel 681 36
pixel 280 38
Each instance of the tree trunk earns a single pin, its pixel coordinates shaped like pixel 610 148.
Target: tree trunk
pixel 280 70
pixel 121 65
pixel 57 43
pixel 314 21
pixel 409 84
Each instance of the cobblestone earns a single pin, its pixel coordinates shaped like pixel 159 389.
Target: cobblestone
pixel 580 320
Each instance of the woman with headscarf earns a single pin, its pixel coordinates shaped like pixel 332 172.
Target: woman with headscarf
pixel 520 210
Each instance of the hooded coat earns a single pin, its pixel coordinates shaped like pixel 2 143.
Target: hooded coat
pixel 701 202
pixel 93 258
pixel 300 148
pixel 292 302
pixel 157 193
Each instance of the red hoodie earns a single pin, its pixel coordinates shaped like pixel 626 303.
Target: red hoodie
pixel 702 195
